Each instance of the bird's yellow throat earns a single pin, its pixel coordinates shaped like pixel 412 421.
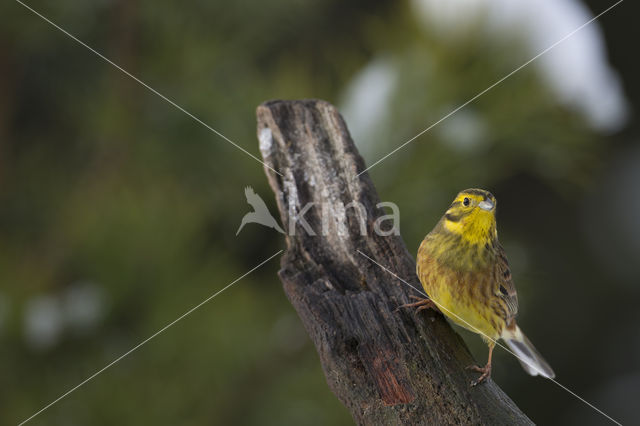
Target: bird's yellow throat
pixel 477 227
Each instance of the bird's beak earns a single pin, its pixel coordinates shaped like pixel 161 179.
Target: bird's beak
pixel 486 205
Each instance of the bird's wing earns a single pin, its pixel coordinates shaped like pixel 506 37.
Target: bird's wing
pixel 249 192
pixel 254 200
pixel 505 288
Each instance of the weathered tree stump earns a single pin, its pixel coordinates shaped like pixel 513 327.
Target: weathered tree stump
pixel 386 367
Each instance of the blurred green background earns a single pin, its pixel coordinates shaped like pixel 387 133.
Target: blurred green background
pixel 118 212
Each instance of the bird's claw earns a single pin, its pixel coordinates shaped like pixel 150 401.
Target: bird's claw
pixel 486 373
pixel 421 304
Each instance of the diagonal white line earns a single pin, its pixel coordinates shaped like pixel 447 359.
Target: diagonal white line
pixel 492 86
pixel 489 338
pixel 145 85
pixel 145 341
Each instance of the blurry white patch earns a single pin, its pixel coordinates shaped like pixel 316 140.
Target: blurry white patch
pixel 366 101
pixel 450 18
pixel 265 138
pixel 464 130
pixel 576 69
pixel 83 307
pixel 42 322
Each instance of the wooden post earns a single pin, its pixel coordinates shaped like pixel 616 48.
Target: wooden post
pixel 386 367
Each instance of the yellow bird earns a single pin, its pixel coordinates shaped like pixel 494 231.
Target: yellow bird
pixel 464 270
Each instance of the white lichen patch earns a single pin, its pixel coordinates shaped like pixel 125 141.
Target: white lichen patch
pixel 291 192
pixel 334 218
pixel 265 137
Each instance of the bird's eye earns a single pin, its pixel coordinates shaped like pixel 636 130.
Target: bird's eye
pixel 466 201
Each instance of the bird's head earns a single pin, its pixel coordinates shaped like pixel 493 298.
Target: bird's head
pixel 472 216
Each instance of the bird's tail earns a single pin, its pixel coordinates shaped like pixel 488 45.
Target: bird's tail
pixel 528 355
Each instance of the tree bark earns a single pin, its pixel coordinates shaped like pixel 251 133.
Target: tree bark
pixel 386 367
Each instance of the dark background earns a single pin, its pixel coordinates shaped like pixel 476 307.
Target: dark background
pixel 118 212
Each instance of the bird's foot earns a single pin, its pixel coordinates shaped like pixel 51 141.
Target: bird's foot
pixel 421 304
pixel 486 373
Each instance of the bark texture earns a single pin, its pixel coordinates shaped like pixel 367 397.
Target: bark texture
pixel 386 367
